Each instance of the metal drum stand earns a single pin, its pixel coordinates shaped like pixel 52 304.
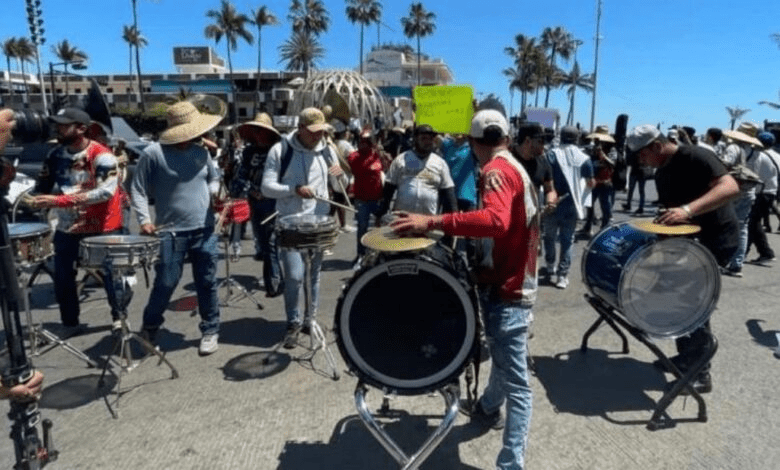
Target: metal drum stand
pixel 450 393
pixel 612 317
pixel 120 292
pixel 231 283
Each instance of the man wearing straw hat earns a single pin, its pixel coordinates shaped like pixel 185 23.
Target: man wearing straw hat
pixel 179 174
pixel 296 174
pixel 260 136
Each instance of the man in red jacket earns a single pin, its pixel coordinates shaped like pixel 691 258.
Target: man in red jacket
pixel 366 166
pixel 507 216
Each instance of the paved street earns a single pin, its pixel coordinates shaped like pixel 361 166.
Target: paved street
pixel 230 411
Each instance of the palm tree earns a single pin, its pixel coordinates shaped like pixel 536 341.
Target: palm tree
pixel 776 38
pixel 9 50
pixel 309 17
pixel 572 81
pixel 735 113
pixel 25 53
pixel 559 42
pixel 68 54
pixel 261 17
pixel 141 42
pixel 232 25
pixel 135 40
pixel 364 12
pixel 301 52
pixel 419 23
pixel 529 61
pixel 770 104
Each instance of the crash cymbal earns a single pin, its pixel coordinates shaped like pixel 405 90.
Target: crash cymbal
pixel 384 239
pixel 647 225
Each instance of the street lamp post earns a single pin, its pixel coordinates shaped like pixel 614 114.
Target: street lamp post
pixel 35 22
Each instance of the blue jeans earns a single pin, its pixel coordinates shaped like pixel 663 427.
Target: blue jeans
pixel 636 179
pixel 742 208
pixel 363 217
pixel 265 244
pixel 66 255
pixel 560 224
pixel 605 194
pixel 201 245
pixel 506 327
pixel 292 263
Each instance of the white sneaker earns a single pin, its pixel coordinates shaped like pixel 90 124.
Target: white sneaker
pixel 348 229
pixel 208 344
pixel 563 282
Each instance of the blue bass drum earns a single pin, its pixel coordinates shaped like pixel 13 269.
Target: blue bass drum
pixel 665 286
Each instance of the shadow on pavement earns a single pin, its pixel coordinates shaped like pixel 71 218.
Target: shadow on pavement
pixel 352 447
pixel 764 338
pixel 255 365
pixel 76 392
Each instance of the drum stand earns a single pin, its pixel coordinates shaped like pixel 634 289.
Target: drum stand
pixel 659 419
pixel 450 393
pixel 317 340
pixel 39 334
pixel 230 283
pixel 120 293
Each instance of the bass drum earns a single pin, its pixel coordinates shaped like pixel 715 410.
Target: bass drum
pixel 407 323
pixel 665 286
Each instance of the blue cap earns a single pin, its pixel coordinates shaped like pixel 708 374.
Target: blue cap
pixel 766 138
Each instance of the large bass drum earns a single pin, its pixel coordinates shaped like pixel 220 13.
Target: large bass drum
pixel 407 323
pixel 665 286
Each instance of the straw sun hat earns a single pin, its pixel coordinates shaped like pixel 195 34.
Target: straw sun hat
pixel 185 123
pixel 746 132
pixel 261 121
pixel 601 133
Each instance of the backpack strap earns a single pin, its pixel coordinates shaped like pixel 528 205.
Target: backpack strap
pixel 287 153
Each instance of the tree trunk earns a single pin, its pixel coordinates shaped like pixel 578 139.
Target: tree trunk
pixel 259 70
pixel 234 117
pixel 419 77
pixel 27 91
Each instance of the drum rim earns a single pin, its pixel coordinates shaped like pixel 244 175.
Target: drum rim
pixel 42 229
pixel 316 217
pixel 703 312
pixel 126 240
pixel 404 386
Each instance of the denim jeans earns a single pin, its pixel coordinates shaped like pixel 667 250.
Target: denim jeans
pixel 265 244
pixel 636 179
pixel 742 208
pixel 363 217
pixel 506 327
pixel 66 255
pixel 605 194
pixel 292 263
pixel 201 245
pixel 560 224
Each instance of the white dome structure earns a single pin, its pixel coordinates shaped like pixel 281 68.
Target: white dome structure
pixel 363 99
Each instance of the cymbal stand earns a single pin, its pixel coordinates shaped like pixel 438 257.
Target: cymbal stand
pixel 120 292
pixel 230 283
pixel 450 393
pixel 38 334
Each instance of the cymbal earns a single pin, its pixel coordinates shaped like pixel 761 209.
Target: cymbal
pixel 384 239
pixel 647 225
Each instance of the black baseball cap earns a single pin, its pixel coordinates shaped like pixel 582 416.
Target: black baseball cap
pixel 71 115
pixel 424 129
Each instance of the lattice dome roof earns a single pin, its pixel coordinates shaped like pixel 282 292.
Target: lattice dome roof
pixel 364 99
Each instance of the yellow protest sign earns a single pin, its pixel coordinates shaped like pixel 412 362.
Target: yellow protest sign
pixel 446 108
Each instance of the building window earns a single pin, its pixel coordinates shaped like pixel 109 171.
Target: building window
pixel 109 90
pixel 78 90
pixel 242 112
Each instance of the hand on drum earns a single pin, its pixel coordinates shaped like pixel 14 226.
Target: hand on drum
pixel 673 216
pixel 407 224
pixel 305 192
pixel 148 229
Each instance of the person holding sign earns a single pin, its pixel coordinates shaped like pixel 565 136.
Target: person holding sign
pixel 419 179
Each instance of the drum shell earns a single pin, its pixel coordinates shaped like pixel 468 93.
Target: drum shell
pixel 420 334
pixel 31 242
pixel 124 251
pixel 306 231
pixel 665 286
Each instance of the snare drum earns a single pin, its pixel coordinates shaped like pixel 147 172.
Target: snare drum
pixel 407 323
pixel 31 241
pixel 305 231
pixel 125 251
pixel 665 286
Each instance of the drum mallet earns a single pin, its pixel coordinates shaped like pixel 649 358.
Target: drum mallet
pixel 351 209
pixel 268 219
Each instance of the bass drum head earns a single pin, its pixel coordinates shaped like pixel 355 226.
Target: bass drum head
pixel 669 288
pixel 406 326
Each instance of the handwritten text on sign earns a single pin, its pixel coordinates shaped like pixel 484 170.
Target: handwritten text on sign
pixel 446 108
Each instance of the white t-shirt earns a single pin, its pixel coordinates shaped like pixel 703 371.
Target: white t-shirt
pixel 419 182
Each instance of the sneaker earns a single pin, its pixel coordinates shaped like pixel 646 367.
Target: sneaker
pixel 357 264
pixel 626 207
pixel 563 282
pixel 150 335
pixel 116 326
pixel 328 252
pixel 639 212
pixel 733 272
pixel 208 344
pixel 348 229
pixel 478 415
pixel 763 259
pixel 291 337
pixel 702 384
pixel 306 328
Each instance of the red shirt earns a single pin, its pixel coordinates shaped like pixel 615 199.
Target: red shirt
pixel 367 170
pixel 503 218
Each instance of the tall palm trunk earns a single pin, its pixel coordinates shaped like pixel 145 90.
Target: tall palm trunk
pixel 259 69
pixel 10 84
pixel 140 81
pixel 130 66
pixel 27 91
pixel 419 77
pixel 552 70
pixel 234 117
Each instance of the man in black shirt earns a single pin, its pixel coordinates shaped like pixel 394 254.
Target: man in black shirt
pixel 693 186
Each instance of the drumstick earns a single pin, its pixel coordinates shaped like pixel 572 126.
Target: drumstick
pixel 268 219
pixel 349 208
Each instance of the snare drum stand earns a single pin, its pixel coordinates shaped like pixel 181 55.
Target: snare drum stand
pixel 450 393
pixel 37 332
pixel 230 283
pixel 659 419
pixel 119 293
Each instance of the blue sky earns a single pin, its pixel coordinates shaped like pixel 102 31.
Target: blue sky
pixel 663 61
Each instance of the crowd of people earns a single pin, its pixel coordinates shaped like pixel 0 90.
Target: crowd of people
pixel 520 191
